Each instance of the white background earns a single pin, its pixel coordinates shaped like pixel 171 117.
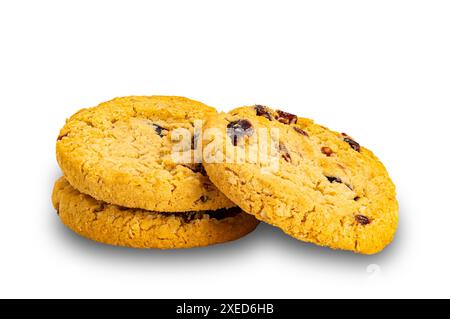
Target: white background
pixel 378 70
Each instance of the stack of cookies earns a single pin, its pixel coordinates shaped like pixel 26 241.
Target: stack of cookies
pixel 121 185
pixel 169 172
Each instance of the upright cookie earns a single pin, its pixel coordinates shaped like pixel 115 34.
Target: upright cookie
pixel 325 189
pixel 137 228
pixel 121 152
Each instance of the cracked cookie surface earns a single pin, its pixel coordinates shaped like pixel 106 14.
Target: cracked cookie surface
pixel 120 152
pixel 326 189
pixel 115 225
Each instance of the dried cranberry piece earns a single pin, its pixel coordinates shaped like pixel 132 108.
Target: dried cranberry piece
pixel 353 144
pixel 327 151
pixel 363 220
pixel 285 153
pixel 188 217
pixel 286 118
pixel 300 131
pixel 60 137
pixel 262 110
pixel 333 179
pixel 238 129
pixel 159 129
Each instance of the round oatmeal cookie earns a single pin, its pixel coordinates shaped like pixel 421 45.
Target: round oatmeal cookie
pixel 121 152
pixel 119 226
pixel 317 185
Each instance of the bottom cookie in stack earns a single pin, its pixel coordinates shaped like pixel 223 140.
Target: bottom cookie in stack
pixel 119 226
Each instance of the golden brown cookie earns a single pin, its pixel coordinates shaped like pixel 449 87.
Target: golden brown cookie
pixel 115 225
pixel 121 152
pixel 325 189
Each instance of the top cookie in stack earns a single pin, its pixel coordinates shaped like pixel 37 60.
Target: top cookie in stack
pixel 120 152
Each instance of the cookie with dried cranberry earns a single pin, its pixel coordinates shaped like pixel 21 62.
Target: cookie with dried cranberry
pixel 121 152
pixel 315 184
pixel 137 228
